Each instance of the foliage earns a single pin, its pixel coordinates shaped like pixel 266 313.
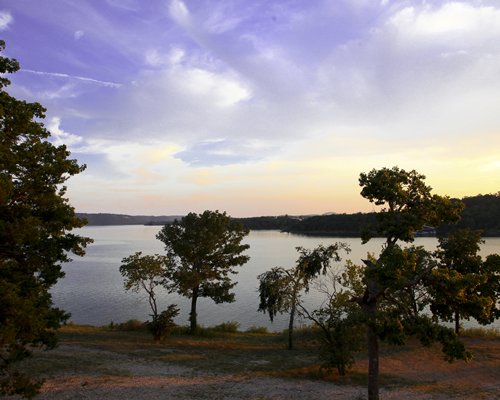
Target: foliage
pixel 407 204
pixel 339 321
pixel 204 249
pixel 35 239
pixel 465 286
pixel 145 272
pixel 392 296
pixel 280 289
pixel 257 330
pixel 163 324
pixel 127 326
pixel 228 327
pixel 481 212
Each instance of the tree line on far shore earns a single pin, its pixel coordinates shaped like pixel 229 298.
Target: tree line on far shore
pixel 480 213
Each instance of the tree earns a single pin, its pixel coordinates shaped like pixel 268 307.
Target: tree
pixel 464 286
pixel 147 272
pixel 35 239
pixel 204 249
pixel 406 206
pixel 338 319
pixel 280 288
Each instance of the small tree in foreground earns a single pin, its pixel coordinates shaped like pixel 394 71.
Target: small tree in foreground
pixel 204 249
pixel 339 320
pixel 280 289
pixel 35 223
pixel 147 273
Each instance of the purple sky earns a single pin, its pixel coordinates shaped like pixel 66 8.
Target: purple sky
pixel 260 107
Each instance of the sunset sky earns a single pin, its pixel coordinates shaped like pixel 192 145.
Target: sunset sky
pixel 260 107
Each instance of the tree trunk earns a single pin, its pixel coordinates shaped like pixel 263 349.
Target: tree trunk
pixel 457 322
pixel 373 352
pixel 290 327
pixel 192 314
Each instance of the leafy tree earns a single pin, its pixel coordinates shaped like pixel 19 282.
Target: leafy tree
pixel 146 273
pixel 464 286
pixel 406 206
pixel 280 289
pixel 204 249
pixel 35 239
pixel 339 320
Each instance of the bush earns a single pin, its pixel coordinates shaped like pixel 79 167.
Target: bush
pixel 228 327
pixel 162 325
pixel 257 329
pixel 130 325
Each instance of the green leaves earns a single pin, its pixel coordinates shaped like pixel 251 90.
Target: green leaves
pixel 465 286
pixel 204 249
pixel 407 204
pixel 35 225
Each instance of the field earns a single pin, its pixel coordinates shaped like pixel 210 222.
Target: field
pixel 104 363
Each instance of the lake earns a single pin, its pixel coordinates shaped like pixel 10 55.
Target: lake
pixel 92 290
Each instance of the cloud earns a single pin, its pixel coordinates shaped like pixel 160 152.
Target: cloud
pixel 79 78
pixel 224 91
pixel 238 101
pixel 179 12
pixel 452 18
pixel 59 136
pixel 220 152
pixel 5 20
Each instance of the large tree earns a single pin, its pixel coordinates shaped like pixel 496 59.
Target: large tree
pixel 464 286
pixel 391 279
pixel 35 239
pixel 204 248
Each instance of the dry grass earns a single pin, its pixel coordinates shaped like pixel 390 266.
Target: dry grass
pixel 103 363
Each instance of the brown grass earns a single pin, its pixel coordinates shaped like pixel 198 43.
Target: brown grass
pixel 101 359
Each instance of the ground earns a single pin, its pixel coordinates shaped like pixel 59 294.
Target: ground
pixel 92 363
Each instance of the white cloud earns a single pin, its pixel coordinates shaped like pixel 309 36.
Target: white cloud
pixel 59 136
pixel 453 18
pixel 223 91
pixel 157 58
pixel 5 20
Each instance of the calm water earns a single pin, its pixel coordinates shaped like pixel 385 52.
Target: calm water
pixel 93 292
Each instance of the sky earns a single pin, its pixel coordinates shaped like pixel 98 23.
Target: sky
pixel 260 107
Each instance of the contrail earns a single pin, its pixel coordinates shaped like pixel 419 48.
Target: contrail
pixel 80 78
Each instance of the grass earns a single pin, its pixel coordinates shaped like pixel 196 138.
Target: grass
pixel 481 332
pixel 224 350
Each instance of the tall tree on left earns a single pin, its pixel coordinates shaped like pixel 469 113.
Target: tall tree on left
pixel 35 239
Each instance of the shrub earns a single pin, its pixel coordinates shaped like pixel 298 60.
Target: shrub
pixel 162 325
pixel 228 327
pixel 130 325
pixel 257 329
